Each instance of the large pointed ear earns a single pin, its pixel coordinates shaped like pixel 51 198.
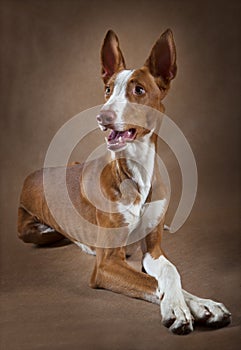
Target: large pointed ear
pixel 162 59
pixel 112 59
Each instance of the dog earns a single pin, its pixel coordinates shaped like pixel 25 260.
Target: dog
pixel 131 143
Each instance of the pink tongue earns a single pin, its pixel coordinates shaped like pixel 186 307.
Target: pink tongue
pixel 115 135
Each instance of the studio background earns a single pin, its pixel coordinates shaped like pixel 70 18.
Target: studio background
pixel 50 71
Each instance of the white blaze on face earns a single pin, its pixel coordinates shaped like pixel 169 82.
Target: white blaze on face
pixel 118 101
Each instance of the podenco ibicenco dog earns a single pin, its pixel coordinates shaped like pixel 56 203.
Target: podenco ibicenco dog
pixel 160 282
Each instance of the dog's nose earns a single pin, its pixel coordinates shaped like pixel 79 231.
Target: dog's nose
pixel 106 117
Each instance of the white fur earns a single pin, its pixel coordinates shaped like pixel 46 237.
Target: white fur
pixel 85 248
pixel 173 305
pixel 141 216
pixel 176 304
pixel 118 101
pixel 45 229
pixel 142 153
pixel 155 299
pixel 140 157
pixel 205 308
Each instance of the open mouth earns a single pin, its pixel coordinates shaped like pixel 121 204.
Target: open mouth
pixel 117 140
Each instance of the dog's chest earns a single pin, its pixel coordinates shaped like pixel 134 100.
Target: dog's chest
pixel 144 217
pixel 142 172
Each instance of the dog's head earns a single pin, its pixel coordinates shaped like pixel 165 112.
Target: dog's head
pixel 125 89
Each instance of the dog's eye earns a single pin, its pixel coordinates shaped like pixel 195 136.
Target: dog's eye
pixel 107 90
pixel 139 90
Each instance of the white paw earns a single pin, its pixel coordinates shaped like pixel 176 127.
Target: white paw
pixel 176 315
pixel 44 228
pixel 208 312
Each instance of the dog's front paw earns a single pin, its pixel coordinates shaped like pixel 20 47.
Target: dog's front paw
pixel 176 315
pixel 208 312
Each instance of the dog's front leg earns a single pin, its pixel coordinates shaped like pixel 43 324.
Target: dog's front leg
pixel 112 272
pixel 174 310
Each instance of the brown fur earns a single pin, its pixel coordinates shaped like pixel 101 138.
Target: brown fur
pixel 111 269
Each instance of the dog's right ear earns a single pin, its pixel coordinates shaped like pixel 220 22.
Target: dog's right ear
pixel 162 59
pixel 112 59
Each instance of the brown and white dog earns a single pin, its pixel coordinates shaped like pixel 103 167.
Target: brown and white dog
pixel 128 140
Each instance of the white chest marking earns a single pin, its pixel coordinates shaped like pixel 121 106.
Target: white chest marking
pixel 140 157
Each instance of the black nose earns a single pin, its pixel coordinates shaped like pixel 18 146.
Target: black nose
pixel 106 117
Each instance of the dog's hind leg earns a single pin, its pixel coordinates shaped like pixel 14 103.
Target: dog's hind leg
pixel 31 230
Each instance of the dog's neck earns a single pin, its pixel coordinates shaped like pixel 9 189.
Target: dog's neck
pixel 136 163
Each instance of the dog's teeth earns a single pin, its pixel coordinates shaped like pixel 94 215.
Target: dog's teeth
pixel 103 128
pixel 120 139
pixel 106 140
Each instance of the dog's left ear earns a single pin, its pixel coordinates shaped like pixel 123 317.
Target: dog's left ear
pixel 162 59
pixel 112 59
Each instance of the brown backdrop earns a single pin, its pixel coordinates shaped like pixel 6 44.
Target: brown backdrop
pixel 50 72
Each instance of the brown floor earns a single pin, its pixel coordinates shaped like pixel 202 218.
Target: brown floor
pixel 50 72
pixel 46 302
